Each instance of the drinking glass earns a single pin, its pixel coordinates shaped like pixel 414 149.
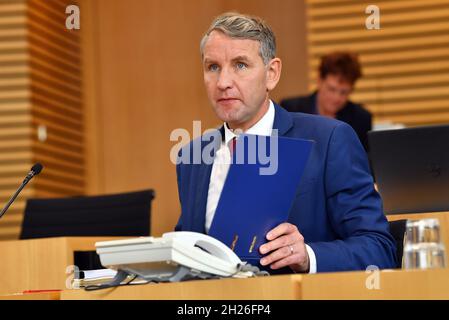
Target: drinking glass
pixel 423 248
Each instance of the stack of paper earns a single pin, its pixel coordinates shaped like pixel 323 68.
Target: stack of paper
pixel 97 277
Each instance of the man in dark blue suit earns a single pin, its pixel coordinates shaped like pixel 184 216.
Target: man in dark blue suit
pixel 336 222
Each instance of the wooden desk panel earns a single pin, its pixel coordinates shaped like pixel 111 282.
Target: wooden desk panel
pixel 393 285
pixel 39 264
pixel 398 284
pixel 33 296
pixel 272 287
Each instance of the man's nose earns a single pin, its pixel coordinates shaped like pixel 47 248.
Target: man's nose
pixel 225 79
pixel 338 95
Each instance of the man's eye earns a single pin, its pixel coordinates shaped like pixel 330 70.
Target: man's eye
pixel 213 67
pixel 241 65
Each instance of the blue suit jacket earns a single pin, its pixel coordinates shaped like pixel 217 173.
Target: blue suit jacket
pixel 336 209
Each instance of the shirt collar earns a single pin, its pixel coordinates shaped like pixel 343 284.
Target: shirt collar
pixel 262 128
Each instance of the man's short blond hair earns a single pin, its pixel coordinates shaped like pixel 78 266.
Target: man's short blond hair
pixel 240 26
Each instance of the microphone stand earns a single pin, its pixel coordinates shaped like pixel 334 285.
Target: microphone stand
pixel 24 183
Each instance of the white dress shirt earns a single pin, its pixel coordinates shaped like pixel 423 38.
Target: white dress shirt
pixel 220 168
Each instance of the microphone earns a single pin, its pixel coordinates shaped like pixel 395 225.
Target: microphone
pixel 35 170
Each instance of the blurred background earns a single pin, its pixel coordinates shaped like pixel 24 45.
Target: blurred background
pixel 97 105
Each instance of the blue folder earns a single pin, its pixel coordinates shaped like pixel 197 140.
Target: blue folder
pixel 255 198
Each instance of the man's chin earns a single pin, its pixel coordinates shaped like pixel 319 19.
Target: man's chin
pixel 331 110
pixel 227 115
pixel 337 108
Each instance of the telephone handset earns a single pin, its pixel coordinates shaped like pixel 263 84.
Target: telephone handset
pixel 173 257
pixel 207 243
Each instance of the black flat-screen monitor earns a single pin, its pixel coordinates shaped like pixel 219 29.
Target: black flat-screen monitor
pixel 411 168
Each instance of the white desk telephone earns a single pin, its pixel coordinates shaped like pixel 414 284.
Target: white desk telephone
pixel 173 257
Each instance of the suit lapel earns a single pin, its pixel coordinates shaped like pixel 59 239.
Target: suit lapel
pixel 283 121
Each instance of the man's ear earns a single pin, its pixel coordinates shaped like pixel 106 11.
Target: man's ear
pixel 273 73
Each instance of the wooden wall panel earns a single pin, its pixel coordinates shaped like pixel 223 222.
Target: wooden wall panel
pixel 405 63
pixel 56 96
pixel 144 79
pixel 40 86
pixel 15 112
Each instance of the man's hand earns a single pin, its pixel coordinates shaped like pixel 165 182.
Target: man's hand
pixel 287 248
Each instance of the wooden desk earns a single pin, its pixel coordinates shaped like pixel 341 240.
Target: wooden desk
pixel 399 284
pixel 39 264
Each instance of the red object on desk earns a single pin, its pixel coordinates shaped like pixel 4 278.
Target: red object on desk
pixel 39 291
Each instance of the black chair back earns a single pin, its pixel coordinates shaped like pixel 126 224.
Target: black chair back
pixel 397 230
pixel 125 214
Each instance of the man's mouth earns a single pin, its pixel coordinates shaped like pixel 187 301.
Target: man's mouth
pixel 227 100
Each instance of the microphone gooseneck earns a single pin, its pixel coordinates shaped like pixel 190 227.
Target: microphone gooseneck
pixel 35 170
